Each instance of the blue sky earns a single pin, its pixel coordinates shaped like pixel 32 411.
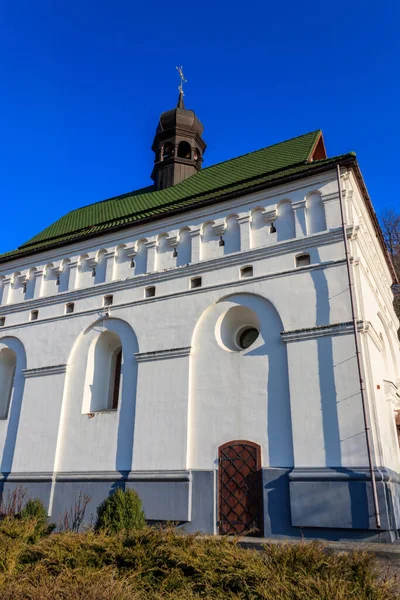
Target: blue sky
pixel 83 82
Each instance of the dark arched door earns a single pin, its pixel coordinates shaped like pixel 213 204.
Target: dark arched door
pixel 240 488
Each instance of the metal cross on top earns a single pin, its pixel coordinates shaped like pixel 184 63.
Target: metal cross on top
pixel 183 80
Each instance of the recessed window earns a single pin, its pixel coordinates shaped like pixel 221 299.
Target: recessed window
pixel 303 260
pixel 184 150
pixel 149 292
pixel 237 329
pixel 246 337
pixel 168 150
pixel 108 300
pixel 2 321
pixel 246 271
pixel 195 282
pixel 69 308
pixel 34 315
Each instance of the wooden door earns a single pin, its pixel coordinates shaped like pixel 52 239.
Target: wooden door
pixel 240 488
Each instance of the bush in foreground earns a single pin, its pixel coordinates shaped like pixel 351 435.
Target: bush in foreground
pixel 150 564
pixel 122 511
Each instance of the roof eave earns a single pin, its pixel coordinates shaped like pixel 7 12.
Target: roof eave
pixel 347 160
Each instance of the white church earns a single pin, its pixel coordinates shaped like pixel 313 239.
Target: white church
pixel 222 341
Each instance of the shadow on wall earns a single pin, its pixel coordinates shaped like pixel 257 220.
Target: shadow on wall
pixel 15 406
pixel 329 401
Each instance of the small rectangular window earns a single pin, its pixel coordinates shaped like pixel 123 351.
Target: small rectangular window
pixel 246 271
pixel 195 282
pixel 108 300
pixel 303 260
pixel 69 308
pixel 150 291
pixel 34 315
pixel 2 321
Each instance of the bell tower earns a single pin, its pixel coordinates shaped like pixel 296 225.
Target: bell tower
pixel 178 145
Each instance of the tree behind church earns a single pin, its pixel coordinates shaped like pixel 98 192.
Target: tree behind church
pixel 390 223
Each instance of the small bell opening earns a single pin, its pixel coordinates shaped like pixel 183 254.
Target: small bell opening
pixel 221 241
pixel 272 228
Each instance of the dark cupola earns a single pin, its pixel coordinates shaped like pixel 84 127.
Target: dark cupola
pixel 178 145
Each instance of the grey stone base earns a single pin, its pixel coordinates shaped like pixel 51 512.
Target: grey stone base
pixel 332 504
pixel 183 497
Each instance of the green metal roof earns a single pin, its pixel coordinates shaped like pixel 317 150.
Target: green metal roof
pixel 262 166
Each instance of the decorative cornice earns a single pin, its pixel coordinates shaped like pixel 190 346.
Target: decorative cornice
pixel 311 333
pixel 237 258
pixel 243 282
pixel 324 474
pixel 162 354
pixel 43 371
pixel 150 476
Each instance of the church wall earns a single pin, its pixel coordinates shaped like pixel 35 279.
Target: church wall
pixel 183 394
pixel 380 343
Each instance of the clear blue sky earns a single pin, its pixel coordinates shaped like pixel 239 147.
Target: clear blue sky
pixel 83 83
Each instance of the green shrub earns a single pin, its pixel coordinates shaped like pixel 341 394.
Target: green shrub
pixel 122 511
pixel 35 511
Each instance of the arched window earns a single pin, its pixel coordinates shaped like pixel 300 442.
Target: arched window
pixel 115 378
pixel 8 363
pixel 103 373
pixel 184 150
pixel 168 150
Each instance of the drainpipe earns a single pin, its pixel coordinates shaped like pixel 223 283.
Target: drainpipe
pixel 367 429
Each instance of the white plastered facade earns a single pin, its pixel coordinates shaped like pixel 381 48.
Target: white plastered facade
pixel 184 390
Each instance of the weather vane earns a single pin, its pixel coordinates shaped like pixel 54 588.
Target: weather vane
pixel 183 80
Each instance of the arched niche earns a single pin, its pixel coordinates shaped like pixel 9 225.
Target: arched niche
pixel 235 392
pixel 285 225
pixel 8 363
pixel 16 291
pixel 84 272
pixel 12 384
pixel 99 440
pixel 64 275
pixel 258 228
pixel 315 213
pixel 101 266
pixel 164 255
pixel 209 241
pixel 141 257
pixel 184 248
pixel 30 283
pixel 232 235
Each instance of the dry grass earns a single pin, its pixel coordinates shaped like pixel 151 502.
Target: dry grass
pixel 154 564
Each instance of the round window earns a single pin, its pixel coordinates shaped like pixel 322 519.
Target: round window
pixel 246 337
